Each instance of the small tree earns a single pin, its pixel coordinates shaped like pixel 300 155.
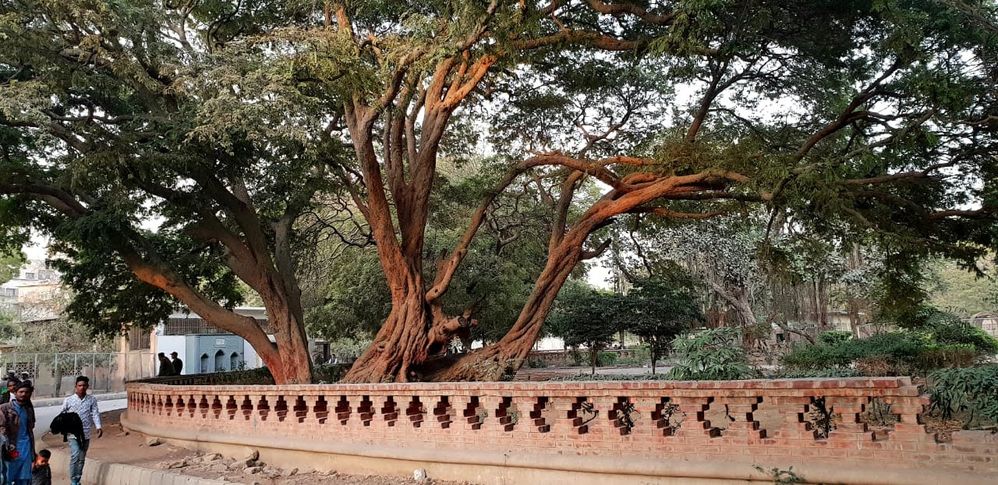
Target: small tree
pixel 585 316
pixel 658 309
pixel 712 354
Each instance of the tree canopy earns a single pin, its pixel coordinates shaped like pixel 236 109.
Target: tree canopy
pixel 200 143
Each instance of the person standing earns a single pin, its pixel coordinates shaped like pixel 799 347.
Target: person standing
pixel 84 405
pixel 165 366
pixel 17 424
pixel 178 365
pixel 8 390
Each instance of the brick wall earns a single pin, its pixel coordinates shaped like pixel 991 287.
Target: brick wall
pixel 861 420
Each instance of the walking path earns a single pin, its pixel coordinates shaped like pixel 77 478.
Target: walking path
pixel 125 458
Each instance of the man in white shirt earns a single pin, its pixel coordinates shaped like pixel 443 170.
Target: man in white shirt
pixel 86 407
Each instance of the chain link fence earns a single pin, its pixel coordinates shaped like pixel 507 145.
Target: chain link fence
pixel 54 374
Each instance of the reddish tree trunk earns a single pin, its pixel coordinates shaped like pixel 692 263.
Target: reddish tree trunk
pixel 501 360
pixel 287 359
pixel 401 343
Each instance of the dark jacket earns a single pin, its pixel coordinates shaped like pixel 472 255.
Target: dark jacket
pixel 68 423
pixel 178 365
pixel 10 422
pixel 165 368
pixel 41 475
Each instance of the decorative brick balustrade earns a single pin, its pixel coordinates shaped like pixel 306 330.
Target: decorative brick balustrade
pixel 868 422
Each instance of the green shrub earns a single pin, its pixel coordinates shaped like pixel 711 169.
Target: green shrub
pixel 950 355
pixel 614 377
pixel 963 333
pixel 818 373
pixel 536 363
pixel 713 354
pixel 833 337
pixel 970 393
pixel 893 353
pixel 898 349
pixel 607 358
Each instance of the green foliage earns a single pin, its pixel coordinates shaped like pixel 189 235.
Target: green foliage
pixel 640 356
pixel 585 317
pixel 329 373
pixel 834 337
pixel 819 373
pixel 945 342
pixel 781 476
pixel 107 297
pixel 947 328
pixel 659 308
pixel 712 354
pixel 10 264
pixel 352 299
pixel 969 393
pixel 962 292
pixel 614 377
pixel 9 329
pixel 225 126
pixel 607 358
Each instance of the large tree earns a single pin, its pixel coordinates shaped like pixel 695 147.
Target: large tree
pixel 862 115
pixel 859 116
pixel 163 159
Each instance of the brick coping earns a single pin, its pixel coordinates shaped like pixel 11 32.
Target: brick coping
pixel 748 384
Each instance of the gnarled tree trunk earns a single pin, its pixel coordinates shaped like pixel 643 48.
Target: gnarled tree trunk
pixel 501 360
pixel 401 342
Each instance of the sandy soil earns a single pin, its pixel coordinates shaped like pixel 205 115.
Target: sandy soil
pixel 118 446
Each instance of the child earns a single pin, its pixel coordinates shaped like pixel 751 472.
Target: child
pixel 41 474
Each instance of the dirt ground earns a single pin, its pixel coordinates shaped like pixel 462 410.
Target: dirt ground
pixel 118 446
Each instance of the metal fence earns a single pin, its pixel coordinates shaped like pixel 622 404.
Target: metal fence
pixel 54 374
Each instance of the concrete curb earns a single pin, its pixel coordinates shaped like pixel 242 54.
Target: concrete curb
pixel 97 472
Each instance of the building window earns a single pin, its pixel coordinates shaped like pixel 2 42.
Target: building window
pixel 29 276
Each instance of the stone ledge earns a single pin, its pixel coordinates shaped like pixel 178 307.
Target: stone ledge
pixel 97 472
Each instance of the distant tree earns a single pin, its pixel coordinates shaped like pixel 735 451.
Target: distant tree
pixel 586 317
pixel 10 264
pixel 657 309
pixel 114 115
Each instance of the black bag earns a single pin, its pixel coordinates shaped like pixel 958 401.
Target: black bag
pixel 68 423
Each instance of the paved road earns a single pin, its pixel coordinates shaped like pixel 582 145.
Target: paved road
pixel 45 415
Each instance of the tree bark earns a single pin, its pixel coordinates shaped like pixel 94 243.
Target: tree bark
pixel 288 359
pixel 402 342
pixel 501 360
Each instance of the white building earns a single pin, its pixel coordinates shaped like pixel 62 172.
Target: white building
pixel 35 294
pixel 200 346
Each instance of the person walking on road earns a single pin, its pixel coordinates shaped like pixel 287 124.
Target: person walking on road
pixel 84 405
pixel 17 426
pixel 178 365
